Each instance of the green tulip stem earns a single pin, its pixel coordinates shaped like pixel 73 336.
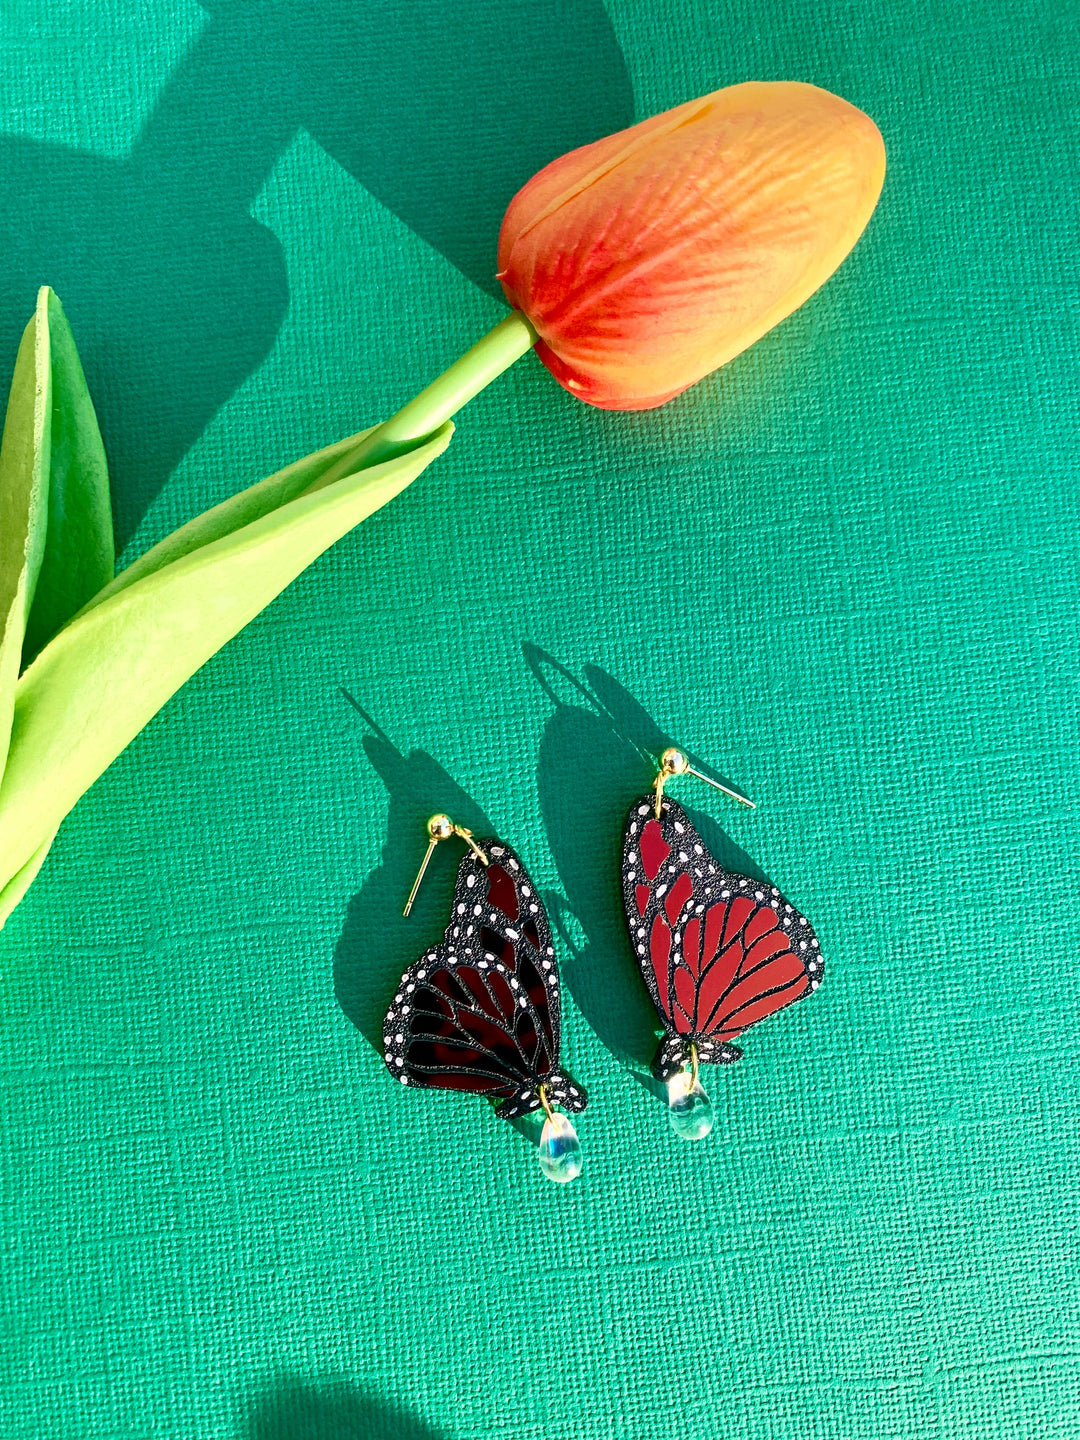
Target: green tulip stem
pixel 444 397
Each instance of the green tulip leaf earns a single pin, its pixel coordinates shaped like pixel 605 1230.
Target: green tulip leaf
pixel 56 547
pixel 232 514
pixel 19 883
pixel 24 502
pixel 111 668
pixel 78 557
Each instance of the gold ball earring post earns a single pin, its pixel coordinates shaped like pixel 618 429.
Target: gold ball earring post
pixel 441 827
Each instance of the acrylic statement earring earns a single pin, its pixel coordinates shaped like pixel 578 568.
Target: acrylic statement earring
pixel 480 1012
pixel 718 951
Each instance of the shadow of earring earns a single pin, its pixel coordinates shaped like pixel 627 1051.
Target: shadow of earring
pixel 587 775
pixel 377 943
pixel 335 1410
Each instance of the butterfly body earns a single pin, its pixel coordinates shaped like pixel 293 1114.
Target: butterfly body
pixel 479 1013
pixel 718 951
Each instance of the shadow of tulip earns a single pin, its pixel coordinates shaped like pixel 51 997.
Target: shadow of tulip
pixel 377 942
pixel 176 294
pixel 597 755
pixel 295 1410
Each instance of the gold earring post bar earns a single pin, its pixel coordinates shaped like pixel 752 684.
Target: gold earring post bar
pixel 674 762
pixel 420 875
pixel 732 794
pixel 441 827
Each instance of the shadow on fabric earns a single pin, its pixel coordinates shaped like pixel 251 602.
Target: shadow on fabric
pixel 176 294
pixel 334 1411
pixel 377 943
pixel 597 757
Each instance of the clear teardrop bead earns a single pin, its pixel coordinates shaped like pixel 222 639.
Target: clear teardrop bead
pixel 560 1150
pixel 689 1108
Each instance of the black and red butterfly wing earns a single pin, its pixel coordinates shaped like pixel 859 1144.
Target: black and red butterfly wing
pixel 480 1012
pixel 718 951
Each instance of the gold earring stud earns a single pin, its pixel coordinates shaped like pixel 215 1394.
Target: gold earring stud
pixel 674 762
pixel 441 827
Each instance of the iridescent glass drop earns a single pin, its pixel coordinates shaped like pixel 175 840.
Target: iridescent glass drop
pixel 689 1108
pixel 560 1150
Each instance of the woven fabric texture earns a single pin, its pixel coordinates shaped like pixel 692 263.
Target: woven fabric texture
pixel 843 571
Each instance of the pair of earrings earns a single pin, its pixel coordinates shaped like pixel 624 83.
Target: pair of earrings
pixel 718 952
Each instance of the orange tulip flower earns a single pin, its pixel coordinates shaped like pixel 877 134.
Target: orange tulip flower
pixel 640 263
pixel 648 259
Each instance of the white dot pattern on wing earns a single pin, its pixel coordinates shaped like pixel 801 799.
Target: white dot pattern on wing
pixel 709 882
pixel 534 1004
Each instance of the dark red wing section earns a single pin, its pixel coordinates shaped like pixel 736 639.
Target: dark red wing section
pixel 480 1012
pixel 469 1027
pixel 718 951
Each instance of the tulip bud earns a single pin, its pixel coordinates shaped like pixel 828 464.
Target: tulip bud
pixel 650 258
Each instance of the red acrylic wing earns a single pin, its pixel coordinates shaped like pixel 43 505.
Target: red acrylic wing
pixel 480 1012
pixel 718 951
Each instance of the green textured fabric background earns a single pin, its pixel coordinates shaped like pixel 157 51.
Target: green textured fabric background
pixel 843 571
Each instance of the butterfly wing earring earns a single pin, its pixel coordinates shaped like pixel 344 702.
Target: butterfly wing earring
pixel 718 951
pixel 479 1012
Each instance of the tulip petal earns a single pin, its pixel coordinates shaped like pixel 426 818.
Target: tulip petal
pixel 653 257
pixel 564 179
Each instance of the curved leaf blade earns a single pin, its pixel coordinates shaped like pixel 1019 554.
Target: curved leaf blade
pixel 78 556
pixel 231 515
pixel 24 501
pixel 98 682
pixel 19 883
